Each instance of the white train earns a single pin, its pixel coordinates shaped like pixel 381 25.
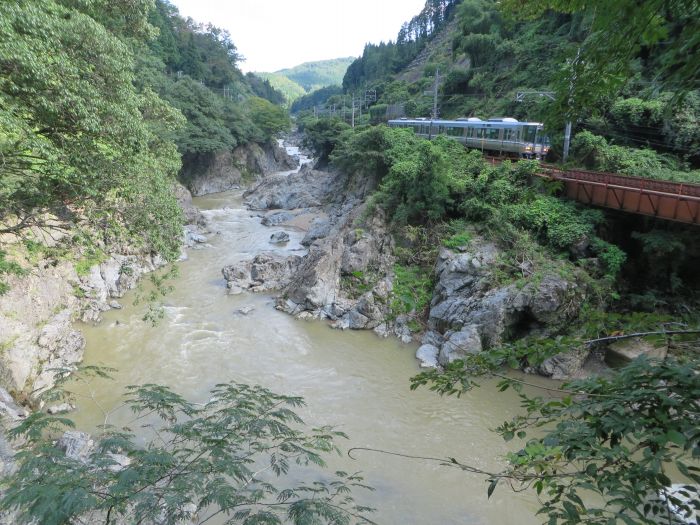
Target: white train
pixel 497 136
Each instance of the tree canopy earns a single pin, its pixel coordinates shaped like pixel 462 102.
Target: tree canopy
pixel 233 457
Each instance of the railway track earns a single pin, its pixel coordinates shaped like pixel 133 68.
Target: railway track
pixel 673 201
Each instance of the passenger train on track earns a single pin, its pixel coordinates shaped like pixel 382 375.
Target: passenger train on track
pixel 496 136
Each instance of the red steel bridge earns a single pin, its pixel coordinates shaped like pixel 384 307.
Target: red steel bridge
pixel 673 201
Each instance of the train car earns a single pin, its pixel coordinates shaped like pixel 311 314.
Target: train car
pixel 497 136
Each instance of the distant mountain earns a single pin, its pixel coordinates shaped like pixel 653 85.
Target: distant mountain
pixel 290 89
pixel 309 76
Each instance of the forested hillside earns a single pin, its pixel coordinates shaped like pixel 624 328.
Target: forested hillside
pixel 309 76
pixel 628 119
pixel 100 103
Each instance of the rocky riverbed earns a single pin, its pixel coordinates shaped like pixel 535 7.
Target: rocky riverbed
pixel 37 315
pixel 469 311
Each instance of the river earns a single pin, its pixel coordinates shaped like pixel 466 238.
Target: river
pixel 354 381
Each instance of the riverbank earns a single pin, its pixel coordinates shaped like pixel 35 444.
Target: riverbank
pixel 355 276
pixel 353 380
pixel 64 280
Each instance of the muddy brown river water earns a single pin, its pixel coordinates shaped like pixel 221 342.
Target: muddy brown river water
pixel 355 381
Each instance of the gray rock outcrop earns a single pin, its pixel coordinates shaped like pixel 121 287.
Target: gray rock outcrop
pixel 76 445
pixel 189 210
pixel 264 273
pixel 320 283
pixel 37 314
pixel 226 170
pixel 306 189
pixel 468 313
pixel 279 238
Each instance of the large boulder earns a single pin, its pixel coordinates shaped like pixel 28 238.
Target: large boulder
pixel 469 312
pixel 319 228
pixel 265 272
pixel 306 189
pixel 279 237
pixel 76 445
pixel 428 356
pixel 458 345
pixel 189 210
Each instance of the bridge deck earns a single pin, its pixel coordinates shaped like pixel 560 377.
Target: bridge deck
pixel 675 201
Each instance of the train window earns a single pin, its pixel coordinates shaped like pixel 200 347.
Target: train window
pixel 480 133
pixel 507 134
pixel 492 133
pixel 529 133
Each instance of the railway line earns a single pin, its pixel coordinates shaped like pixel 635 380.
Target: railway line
pixel 668 200
pixel 673 201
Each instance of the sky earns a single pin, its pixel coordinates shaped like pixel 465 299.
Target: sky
pixel 277 34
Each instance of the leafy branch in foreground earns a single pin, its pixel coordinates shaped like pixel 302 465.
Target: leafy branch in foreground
pixel 216 459
pixel 604 450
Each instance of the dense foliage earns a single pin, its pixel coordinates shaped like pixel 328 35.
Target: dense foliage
pixel 305 78
pixel 74 130
pixel 663 37
pixel 196 462
pixel 316 75
pixel 315 98
pixel 100 101
pixel 425 182
pixel 289 89
pixel 195 68
pixel 628 92
pixel 263 89
pixel 595 152
pixel 606 449
pixel 380 60
pixel 322 135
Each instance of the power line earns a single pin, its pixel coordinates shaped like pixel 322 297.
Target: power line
pixel 639 141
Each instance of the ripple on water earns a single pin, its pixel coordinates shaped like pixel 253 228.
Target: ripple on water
pixel 355 381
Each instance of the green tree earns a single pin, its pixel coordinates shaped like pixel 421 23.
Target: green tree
pixel 665 35
pixel 204 460
pixel 73 128
pixel 205 131
pixel 267 117
pixel 322 135
pixel 416 189
pixel 606 449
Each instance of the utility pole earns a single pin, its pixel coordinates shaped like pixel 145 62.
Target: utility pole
pixel 567 141
pixel 567 129
pixel 435 94
pixel 353 110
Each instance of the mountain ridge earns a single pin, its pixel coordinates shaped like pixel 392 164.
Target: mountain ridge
pixel 303 78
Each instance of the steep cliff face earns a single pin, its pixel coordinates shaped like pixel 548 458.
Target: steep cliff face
pixel 343 241
pixel 470 312
pixel 38 333
pixel 226 170
pixel 37 316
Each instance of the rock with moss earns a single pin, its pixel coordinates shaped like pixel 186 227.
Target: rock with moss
pixel 472 311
